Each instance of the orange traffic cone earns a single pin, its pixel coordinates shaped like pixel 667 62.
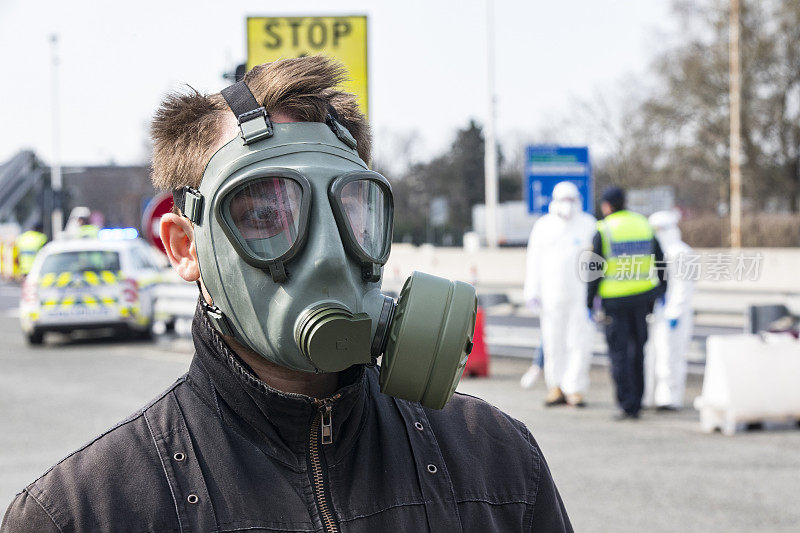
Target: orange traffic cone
pixel 478 362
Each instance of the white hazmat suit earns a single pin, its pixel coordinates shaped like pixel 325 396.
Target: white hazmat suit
pixel 673 320
pixel 552 284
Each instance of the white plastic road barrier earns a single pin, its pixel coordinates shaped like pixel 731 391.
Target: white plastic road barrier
pixel 749 378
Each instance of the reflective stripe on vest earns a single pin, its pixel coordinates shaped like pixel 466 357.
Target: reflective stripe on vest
pixel 628 248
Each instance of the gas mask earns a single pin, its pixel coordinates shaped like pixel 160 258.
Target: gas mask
pixel 292 231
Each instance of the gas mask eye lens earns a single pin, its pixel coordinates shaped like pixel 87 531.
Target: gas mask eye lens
pixel 266 213
pixel 366 207
pixel 363 207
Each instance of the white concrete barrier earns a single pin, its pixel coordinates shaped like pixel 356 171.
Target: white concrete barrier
pixel 729 280
pixel 773 269
pixel 503 271
pixel 749 378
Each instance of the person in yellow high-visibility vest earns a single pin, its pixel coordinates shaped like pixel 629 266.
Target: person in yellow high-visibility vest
pixel 631 282
pixel 28 245
pixel 86 230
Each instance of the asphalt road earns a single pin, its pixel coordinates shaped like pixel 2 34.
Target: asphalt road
pixel 658 474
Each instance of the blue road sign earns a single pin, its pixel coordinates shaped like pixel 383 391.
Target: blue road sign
pixel 547 165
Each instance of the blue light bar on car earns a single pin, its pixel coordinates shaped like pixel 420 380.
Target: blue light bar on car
pixel 117 234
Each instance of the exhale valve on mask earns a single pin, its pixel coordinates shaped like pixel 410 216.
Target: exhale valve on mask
pixel 292 230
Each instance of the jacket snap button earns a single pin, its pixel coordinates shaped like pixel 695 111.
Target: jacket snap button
pixel 419 426
pixel 432 469
pixel 192 498
pixel 179 456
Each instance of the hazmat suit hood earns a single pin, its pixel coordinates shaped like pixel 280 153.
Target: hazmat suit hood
pixel 665 226
pixel 566 200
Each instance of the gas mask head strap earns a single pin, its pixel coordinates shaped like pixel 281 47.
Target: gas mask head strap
pixel 253 119
pixel 344 135
pixel 254 125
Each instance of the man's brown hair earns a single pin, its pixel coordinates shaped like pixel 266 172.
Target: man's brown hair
pixel 186 128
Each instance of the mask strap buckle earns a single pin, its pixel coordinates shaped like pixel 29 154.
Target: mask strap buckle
pixel 253 119
pixel 255 125
pixel 189 202
pixel 192 204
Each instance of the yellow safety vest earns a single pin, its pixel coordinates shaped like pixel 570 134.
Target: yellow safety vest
pixel 28 245
pixel 628 249
pixel 88 231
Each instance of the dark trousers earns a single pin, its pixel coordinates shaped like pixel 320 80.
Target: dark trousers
pixel 626 334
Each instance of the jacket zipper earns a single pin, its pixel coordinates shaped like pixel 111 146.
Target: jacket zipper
pixel 322 432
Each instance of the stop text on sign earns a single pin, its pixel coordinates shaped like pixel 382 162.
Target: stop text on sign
pixel 315 34
pixel 343 38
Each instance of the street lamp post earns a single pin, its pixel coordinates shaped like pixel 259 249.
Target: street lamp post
pixel 490 143
pixel 57 215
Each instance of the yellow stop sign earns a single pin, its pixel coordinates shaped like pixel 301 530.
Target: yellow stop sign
pixel 343 38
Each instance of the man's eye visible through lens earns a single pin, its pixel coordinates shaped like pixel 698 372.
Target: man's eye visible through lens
pixel 263 218
pixel 259 215
pixel 256 218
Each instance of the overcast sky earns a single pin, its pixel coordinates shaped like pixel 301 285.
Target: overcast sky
pixel 427 64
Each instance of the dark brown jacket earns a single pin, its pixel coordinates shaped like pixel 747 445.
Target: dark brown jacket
pixel 222 451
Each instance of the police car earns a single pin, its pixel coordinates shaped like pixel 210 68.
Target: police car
pixel 90 284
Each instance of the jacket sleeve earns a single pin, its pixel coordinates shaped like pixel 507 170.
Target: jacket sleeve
pixel 594 285
pixel 26 515
pixel 549 513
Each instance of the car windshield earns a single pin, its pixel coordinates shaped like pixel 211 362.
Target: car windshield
pixel 81 261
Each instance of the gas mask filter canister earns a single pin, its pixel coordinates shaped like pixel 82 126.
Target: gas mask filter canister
pixel 292 231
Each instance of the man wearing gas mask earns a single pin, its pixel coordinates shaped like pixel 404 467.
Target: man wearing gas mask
pixel 284 421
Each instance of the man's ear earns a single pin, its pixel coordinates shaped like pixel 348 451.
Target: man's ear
pixel 177 235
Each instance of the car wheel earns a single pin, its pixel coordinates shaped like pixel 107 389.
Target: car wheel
pixel 35 337
pixel 145 334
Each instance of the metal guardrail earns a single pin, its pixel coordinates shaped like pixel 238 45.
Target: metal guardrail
pixel 728 307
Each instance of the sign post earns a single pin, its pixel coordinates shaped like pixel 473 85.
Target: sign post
pixel 547 165
pixel 342 38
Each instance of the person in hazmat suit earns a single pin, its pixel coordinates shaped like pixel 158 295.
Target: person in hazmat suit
pixel 28 245
pixel 672 321
pixel 285 421
pixel 552 284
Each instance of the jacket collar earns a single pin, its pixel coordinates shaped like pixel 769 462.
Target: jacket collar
pixel 279 421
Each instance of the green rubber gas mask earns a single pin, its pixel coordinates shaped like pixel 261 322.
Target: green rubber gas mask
pixel 292 231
